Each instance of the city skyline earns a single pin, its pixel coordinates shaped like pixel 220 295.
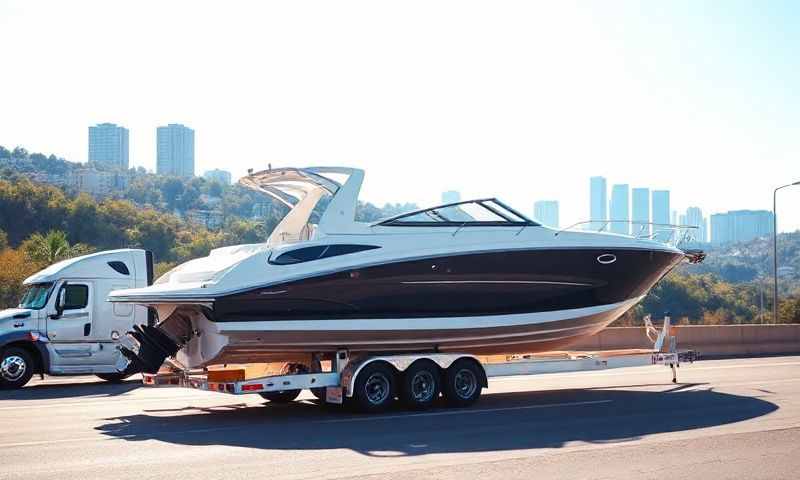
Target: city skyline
pixel 620 97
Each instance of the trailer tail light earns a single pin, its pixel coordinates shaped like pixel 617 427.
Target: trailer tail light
pixel 253 387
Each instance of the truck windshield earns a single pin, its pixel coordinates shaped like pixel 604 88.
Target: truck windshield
pixel 35 295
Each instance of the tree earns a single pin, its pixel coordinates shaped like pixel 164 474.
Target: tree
pixel 83 220
pixel 14 268
pixel 172 189
pixel 45 250
pixel 154 233
pixel 215 189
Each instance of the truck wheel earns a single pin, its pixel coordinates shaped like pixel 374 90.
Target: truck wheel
pixel 421 384
pixel 374 389
pixel 113 377
pixel 462 384
pixel 16 368
pixel 283 396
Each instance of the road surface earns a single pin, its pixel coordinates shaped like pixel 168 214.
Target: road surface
pixel 735 418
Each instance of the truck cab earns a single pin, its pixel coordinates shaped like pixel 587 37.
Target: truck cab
pixel 64 325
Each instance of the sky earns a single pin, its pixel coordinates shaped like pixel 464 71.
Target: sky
pixel 520 100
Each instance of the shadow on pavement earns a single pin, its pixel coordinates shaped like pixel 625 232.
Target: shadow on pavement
pixel 505 421
pixel 50 391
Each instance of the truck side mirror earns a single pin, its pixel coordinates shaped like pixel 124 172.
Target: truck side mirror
pixel 60 301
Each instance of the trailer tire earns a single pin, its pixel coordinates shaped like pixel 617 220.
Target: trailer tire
pixel 421 384
pixel 375 387
pixel 283 396
pixel 463 383
pixel 16 368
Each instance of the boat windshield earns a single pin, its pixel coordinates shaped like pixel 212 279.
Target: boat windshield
pixel 485 212
pixel 35 296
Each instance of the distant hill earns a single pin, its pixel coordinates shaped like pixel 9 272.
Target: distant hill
pixel 747 262
pixel 172 195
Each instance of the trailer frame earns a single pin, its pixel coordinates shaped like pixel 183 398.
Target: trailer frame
pixel 339 383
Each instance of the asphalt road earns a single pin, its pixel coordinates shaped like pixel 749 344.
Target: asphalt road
pixel 728 419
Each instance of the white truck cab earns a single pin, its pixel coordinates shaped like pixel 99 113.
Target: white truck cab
pixel 64 325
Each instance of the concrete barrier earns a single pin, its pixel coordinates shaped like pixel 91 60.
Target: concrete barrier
pixel 709 340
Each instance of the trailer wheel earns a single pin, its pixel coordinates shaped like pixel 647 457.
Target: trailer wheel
pixel 421 385
pixel 374 387
pixel 462 384
pixel 283 396
pixel 16 368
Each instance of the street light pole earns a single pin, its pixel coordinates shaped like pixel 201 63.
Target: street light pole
pixel 775 249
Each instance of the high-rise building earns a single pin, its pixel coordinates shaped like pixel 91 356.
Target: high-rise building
pixel 640 209
pixel 546 213
pixel 694 217
pixel 598 202
pixel 451 196
pixel 661 206
pixel 740 226
pixel 217 175
pixel 619 209
pixel 108 145
pixel 175 150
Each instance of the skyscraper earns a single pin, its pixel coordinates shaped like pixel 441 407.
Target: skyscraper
pixel 619 209
pixel 175 150
pixel 640 200
pixel 217 175
pixel 451 196
pixel 694 217
pixel 108 145
pixel 661 206
pixel 546 213
pixel 598 201
pixel 740 226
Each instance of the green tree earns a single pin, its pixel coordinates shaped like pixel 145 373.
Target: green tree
pixel 53 247
pixel 172 189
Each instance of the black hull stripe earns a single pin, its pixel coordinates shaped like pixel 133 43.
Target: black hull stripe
pixel 496 283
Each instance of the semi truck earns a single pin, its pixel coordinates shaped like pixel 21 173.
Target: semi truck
pixel 65 326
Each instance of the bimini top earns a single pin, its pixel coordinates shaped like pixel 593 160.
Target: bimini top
pixel 480 212
pixel 301 189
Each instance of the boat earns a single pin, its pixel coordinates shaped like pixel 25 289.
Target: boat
pixel 474 276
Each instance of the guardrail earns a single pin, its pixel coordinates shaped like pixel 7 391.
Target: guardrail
pixel 709 340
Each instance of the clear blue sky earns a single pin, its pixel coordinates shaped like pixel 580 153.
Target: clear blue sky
pixel 523 100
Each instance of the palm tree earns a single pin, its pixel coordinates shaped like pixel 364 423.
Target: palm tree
pixel 52 248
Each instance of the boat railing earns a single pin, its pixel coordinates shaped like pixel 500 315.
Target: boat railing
pixel 667 233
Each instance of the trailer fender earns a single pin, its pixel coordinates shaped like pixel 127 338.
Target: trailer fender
pixel 401 363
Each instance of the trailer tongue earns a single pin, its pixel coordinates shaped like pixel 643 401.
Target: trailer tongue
pixel 372 382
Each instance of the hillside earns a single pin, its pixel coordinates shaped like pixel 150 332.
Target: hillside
pixel 751 261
